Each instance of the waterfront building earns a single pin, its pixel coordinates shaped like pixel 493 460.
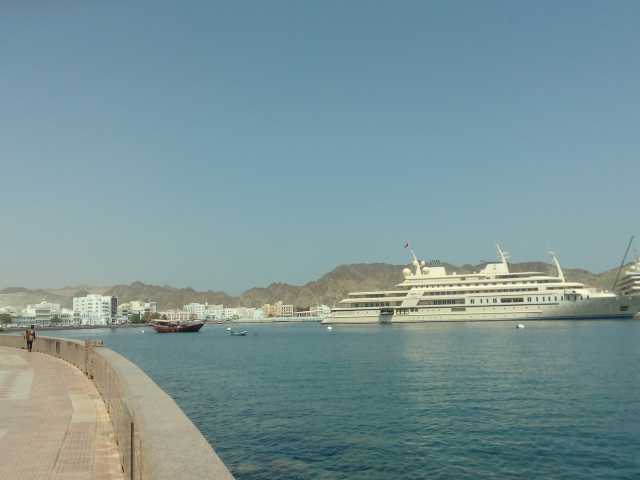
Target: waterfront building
pixel 230 314
pixel 44 314
pixel 242 313
pixel 196 309
pixel 39 314
pixel 137 307
pixel 94 309
pixel 278 309
pixel 177 315
pixel 268 309
pixel 214 312
pixel 142 307
pixel 430 294
pixel 629 282
pixel 204 311
pixel 65 317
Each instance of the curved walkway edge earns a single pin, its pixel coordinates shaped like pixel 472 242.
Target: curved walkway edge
pixel 154 438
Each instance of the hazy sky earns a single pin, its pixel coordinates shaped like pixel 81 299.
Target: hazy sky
pixel 229 145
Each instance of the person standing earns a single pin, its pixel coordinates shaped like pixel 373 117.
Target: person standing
pixel 30 336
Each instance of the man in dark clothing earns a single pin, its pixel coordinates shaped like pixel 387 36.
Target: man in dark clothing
pixel 30 336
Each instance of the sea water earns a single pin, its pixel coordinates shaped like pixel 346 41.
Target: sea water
pixel 440 401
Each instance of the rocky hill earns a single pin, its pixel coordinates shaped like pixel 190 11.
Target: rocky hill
pixel 328 289
pixel 166 296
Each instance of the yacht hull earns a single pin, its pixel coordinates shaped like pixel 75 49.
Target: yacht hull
pixel 598 308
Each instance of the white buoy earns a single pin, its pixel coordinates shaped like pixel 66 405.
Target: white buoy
pixel 329 328
pixel 520 325
pixel 228 329
pixel 142 331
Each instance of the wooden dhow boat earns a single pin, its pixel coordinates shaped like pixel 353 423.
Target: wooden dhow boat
pixel 169 326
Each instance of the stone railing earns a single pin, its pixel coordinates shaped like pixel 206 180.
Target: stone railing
pixel 155 438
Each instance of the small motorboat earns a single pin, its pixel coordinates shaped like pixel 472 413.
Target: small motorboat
pixel 243 333
pixel 519 325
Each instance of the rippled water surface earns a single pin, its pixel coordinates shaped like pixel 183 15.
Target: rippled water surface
pixel 450 401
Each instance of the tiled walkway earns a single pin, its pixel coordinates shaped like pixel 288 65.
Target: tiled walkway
pixel 53 423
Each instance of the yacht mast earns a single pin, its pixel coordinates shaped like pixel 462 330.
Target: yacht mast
pixel 622 263
pixel 502 254
pixel 416 264
pixel 558 267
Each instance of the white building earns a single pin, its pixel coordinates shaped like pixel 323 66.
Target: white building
pixel 230 314
pixel 94 309
pixel 65 317
pixel 215 312
pixel 39 314
pixel 137 306
pixel 245 313
pixel 197 309
pixel 204 311
pixel 177 315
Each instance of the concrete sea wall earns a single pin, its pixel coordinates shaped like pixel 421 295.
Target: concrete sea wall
pixel 155 438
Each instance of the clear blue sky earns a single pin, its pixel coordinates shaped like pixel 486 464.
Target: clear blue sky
pixel 228 145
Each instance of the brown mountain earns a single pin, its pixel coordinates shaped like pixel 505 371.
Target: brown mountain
pixel 166 296
pixel 328 289
pixel 19 297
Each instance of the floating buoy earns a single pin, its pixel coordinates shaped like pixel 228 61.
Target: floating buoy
pixel 520 325
pixel 329 328
pixel 228 329
pixel 142 331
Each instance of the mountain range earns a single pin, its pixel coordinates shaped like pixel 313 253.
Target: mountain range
pixel 328 289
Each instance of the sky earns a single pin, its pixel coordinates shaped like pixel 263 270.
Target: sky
pixel 226 145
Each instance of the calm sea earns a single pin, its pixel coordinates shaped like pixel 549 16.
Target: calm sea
pixel 556 400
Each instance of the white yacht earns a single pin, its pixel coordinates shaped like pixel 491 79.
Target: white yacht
pixel 429 294
pixel 629 283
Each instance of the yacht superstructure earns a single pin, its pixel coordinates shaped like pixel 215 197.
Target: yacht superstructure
pixel 429 294
pixel 629 283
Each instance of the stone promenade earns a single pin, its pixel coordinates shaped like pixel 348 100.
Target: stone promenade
pixel 53 423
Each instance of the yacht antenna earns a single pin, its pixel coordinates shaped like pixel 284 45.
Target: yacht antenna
pixel 558 267
pixel 622 263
